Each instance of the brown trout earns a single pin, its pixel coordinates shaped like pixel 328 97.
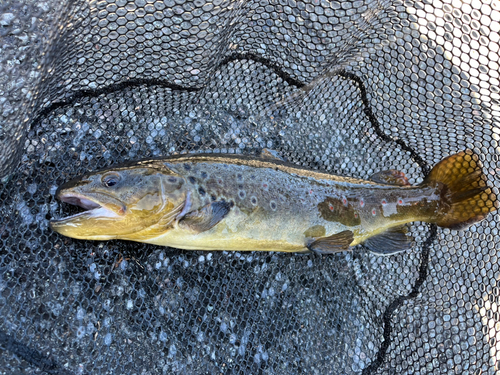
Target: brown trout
pixel 230 202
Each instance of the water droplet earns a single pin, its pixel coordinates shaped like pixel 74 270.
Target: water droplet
pixel 32 188
pixel 108 339
pixel 80 332
pixel 163 336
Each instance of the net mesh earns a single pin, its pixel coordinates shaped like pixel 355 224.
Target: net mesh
pixel 351 88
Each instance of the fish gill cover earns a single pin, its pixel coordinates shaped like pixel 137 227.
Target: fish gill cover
pixel 351 88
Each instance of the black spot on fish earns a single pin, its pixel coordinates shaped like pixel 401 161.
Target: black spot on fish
pixel 242 194
pixel 239 176
pixel 213 197
pixel 204 174
pixel 240 186
pixel 192 179
pixel 253 200
pixel 273 205
pixel 333 209
pixel 201 191
pixel 231 204
pixel 172 179
pixel 187 167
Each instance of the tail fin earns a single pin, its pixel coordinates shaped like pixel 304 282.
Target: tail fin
pixel 466 195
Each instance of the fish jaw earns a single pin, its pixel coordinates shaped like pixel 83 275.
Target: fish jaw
pixel 87 224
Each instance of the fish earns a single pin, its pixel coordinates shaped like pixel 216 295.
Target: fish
pixel 263 203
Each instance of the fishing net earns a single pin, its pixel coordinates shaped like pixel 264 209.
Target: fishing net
pixel 350 88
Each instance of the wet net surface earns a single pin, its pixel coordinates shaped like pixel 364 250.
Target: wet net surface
pixel 348 88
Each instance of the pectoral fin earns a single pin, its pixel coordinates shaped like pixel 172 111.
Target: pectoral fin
pixel 390 242
pixel 206 217
pixel 332 244
pixel 390 177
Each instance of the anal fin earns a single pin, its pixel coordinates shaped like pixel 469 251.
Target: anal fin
pixel 206 217
pixel 333 244
pixel 392 241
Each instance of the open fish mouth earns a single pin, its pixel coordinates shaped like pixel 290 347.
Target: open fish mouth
pixel 79 201
pixel 91 208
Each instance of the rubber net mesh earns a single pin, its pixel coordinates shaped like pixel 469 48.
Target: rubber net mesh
pixel 351 88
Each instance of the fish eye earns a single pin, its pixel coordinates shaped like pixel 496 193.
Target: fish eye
pixel 110 179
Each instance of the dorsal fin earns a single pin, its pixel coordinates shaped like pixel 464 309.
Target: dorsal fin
pixel 390 177
pixel 267 153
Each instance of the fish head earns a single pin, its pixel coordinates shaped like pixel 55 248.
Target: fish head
pixel 134 202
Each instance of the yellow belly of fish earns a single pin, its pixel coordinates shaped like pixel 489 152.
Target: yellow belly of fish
pixel 238 235
pixel 220 238
pixel 239 232
pixel 196 242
